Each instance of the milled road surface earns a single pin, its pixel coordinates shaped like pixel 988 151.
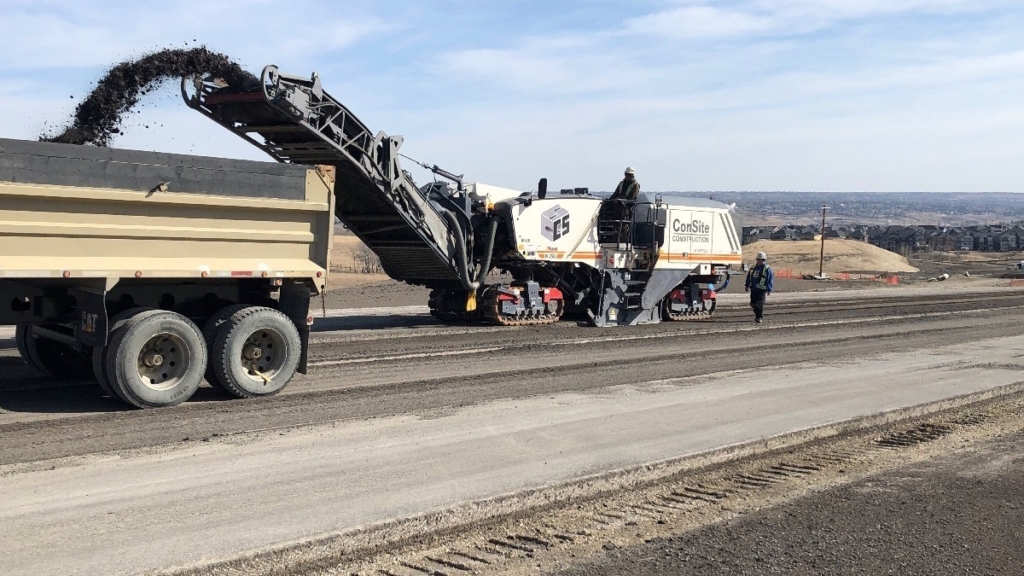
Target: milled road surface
pixel 958 514
pixel 418 417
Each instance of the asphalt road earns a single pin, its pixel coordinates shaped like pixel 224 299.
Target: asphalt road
pixel 417 417
pixel 957 514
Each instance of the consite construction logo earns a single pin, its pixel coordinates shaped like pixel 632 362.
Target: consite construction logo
pixel 695 230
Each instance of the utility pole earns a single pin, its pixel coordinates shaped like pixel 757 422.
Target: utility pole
pixel 821 260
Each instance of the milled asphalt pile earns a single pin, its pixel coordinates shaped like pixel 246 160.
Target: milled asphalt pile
pixel 98 118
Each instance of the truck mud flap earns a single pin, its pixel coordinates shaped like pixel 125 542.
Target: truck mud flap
pixel 92 323
pixel 294 303
pixel 303 365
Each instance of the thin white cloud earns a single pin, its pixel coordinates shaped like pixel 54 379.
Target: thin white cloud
pixel 570 64
pixel 100 33
pixel 700 22
pixel 841 9
pixel 951 73
pixel 509 67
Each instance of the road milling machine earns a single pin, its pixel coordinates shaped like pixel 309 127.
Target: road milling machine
pixel 610 262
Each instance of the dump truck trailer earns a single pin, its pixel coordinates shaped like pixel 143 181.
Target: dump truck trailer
pixel 148 271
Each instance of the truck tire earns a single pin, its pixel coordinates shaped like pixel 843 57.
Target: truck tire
pixel 156 359
pixel 21 338
pixel 255 352
pixel 210 330
pixel 99 355
pixel 51 357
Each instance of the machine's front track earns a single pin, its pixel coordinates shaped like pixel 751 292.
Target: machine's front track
pixel 496 305
pixel 689 303
pixel 492 306
pixel 692 315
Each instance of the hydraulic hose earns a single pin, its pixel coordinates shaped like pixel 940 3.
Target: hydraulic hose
pixel 460 252
pixel 728 277
pixel 485 266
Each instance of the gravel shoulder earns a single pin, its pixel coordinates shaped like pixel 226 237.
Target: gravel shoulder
pixel 959 513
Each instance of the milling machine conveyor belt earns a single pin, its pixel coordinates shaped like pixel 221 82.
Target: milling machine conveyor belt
pixel 295 121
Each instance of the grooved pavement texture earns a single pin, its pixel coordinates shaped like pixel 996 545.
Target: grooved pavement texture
pixel 960 514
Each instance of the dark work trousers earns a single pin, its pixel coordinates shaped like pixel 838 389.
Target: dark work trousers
pixel 757 298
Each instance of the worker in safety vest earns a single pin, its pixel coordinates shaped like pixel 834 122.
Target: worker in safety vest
pixel 622 212
pixel 629 188
pixel 759 284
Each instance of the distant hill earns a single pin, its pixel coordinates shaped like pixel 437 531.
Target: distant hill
pixel 801 256
pixel 909 208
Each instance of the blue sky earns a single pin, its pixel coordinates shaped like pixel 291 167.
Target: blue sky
pixel 876 95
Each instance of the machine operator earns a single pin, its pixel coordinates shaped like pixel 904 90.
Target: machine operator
pixel 629 188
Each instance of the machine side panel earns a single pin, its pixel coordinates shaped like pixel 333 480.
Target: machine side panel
pixel 700 235
pixel 727 236
pixel 560 228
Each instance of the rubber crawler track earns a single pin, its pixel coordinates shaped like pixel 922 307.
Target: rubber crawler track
pixel 492 311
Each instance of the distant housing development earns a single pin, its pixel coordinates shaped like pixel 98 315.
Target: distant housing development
pixel 904 239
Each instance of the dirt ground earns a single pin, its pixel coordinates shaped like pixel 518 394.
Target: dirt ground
pixel 364 291
pixel 959 514
pixel 994 264
pixel 349 288
pixel 379 291
pixel 802 256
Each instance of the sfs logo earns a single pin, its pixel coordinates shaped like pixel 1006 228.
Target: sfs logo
pixel 555 222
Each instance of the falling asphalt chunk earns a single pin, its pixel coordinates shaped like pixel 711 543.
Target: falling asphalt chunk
pixel 98 116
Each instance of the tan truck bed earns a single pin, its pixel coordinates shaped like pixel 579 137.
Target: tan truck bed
pixel 165 218
pixel 149 272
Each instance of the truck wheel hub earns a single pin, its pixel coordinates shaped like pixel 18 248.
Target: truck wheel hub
pixel 153 359
pixel 252 352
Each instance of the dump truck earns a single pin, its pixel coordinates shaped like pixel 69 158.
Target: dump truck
pixel 151 271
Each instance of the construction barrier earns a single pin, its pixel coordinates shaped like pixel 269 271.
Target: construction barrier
pixel 843 276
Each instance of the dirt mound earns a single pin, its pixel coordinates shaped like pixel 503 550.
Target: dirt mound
pixel 99 116
pixel 802 256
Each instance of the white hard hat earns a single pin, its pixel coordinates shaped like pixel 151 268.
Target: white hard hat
pixel 761 256
pixel 629 170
